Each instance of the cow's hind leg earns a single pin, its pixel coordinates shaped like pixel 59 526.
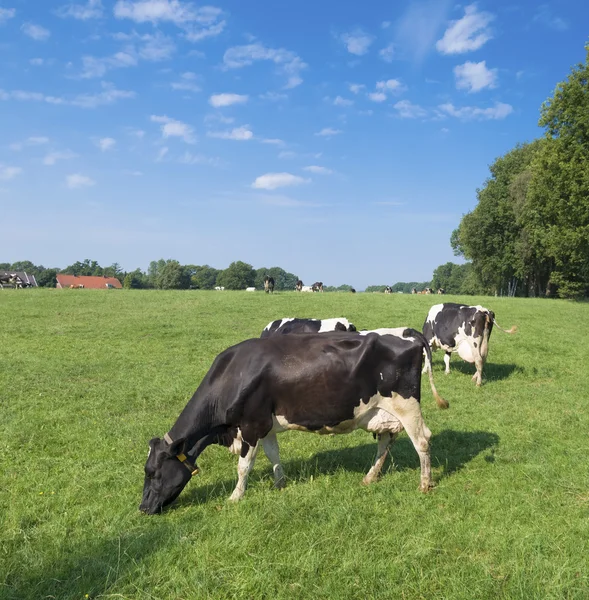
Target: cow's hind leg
pixel 245 465
pixel 270 444
pixel 478 376
pixel 408 411
pixel 384 441
pixel 447 356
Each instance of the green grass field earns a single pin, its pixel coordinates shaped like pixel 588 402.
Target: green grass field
pixel 87 378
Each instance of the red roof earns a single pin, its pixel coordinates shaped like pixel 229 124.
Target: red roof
pixel 92 283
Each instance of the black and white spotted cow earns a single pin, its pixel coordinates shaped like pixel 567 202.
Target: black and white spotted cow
pixel 463 329
pixel 293 325
pixel 321 383
pixel 269 284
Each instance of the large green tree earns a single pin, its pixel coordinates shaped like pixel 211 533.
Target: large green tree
pixel 204 277
pixel 237 276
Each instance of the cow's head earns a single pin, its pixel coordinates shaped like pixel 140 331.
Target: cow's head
pixel 167 471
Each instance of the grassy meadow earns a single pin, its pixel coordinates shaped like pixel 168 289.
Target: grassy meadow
pixel 88 377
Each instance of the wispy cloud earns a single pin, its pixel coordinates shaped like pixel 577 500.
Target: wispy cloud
pixel 36 32
pixel 287 62
pixel 200 159
pixel 272 181
pixel 273 96
pixel 388 53
pixel 8 173
pixel 356 88
pixel 386 88
pixel 77 181
pixel 339 101
pixel 221 100
pixel 318 170
pixel 240 134
pixel 107 143
pixel 469 113
pixel 6 13
pixel 357 42
pixel 284 201
pixel 162 154
pixel 31 141
pixel 273 141
pixel 469 33
pixel 407 110
pixel 187 83
pixel 417 29
pixel 475 77
pixel 547 18
pixel 328 132
pixel 93 9
pixel 53 157
pixel 37 62
pixel 173 128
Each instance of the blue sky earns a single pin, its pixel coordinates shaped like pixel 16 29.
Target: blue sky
pixel 339 140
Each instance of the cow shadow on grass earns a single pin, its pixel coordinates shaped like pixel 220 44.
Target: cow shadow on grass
pixel 491 372
pixel 451 450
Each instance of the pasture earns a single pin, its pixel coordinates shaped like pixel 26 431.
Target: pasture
pixel 88 377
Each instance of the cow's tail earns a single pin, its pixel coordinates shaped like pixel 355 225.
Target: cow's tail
pixel 427 351
pixel 510 331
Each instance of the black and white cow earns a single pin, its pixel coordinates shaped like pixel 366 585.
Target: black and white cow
pixel 269 284
pixel 293 325
pixel 317 286
pixel 299 285
pixel 325 383
pixel 388 290
pixel 463 329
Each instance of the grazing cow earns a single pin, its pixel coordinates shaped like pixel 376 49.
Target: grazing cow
pixel 299 285
pixel 352 290
pixel 268 284
pixel 292 325
pixel 219 288
pixel 414 290
pixel 463 329
pixel 441 291
pixel 327 383
pixel 388 290
pixel 307 288
pixel 317 286
pixel 250 289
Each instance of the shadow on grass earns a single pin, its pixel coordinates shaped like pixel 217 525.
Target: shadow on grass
pixel 84 569
pixel 491 372
pixel 450 449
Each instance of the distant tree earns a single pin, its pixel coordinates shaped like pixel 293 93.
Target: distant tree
pixel 282 279
pixel 375 288
pixel 406 287
pixel 46 278
pixel 85 268
pixel 172 276
pixel 114 270
pixel 204 277
pixel 456 279
pixel 135 280
pixel 24 265
pixel 4 266
pixel 237 276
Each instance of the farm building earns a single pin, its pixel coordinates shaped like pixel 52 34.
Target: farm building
pixel 87 282
pixel 17 279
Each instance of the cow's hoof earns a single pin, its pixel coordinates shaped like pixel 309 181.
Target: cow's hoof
pixel 425 487
pixel 235 497
pixel 280 484
pixel 369 480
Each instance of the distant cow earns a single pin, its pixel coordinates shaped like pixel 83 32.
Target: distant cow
pixel 414 290
pixel 441 291
pixel 293 325
pixel 299 285
pixel 250 289
pixel 463 329
pixel 219 288
pixel 317 286
pixel 352 290
pixel 268 284
pixel 307 288
pixel 328 384
pixel 388 290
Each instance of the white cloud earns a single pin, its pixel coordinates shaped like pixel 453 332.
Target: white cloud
pixel 318 170
pixel 273 141
pixel 356 88
pixel 328 132
pixel 173 128
pixel 377 96
pixel 37 62
pixel 106 143
pixel 109 95
pixel 271 181
pixel 466 34
pixel 388 53
pixel 52 158
pixel 445 130
pixel 288 62
pixel 407 110
pixel 220 100
pixel 475 77
pixel 384 88
pixel 545 16
pixel 469 113
pixel 161 154
pixel 273 96
pixel 36 32
pixel 7 173
pixel 239 134
pixel 185 86
pixel 339 101
pixel 31 141
pixel 200 159
pixel 91 10
pixel 198 23
pixel 6 13
pixel 77 181
pixel 385 24
pixel 97 67
pixel 357 42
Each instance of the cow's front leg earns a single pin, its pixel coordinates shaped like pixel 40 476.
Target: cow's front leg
pixel 245 465
pixel 447 356
pixel 270 444
pixel 478 376
pixel 384 441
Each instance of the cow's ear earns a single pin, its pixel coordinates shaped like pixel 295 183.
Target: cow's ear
pixel 176 446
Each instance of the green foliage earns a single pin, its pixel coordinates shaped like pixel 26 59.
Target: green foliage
pixel 204 278
pixel 456 279
pixel 406 287
pixel 237 276
pixel 375 288
pixel 282 280
pixel 342 288
pixel 171 276
pixel 87 268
